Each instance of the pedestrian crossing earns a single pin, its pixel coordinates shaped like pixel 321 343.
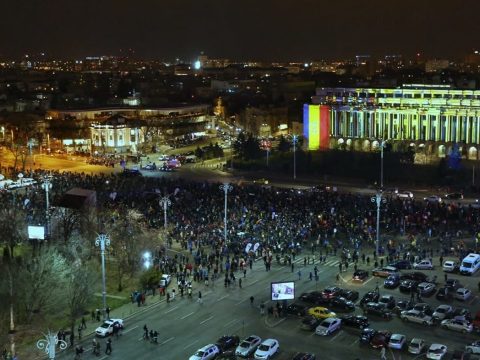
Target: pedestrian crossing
pixel 329 262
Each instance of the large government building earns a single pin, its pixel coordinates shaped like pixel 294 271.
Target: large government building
pixel 428 117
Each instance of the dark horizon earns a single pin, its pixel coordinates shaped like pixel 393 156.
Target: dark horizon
pixel 267 30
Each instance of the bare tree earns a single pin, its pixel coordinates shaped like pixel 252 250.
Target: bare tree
pixel 13 227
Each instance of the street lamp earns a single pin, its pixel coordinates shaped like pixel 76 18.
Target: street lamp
pixel 103 240
pixel 147 259
pixel 49 344
pixel 294 157
pixel 382 146
pixel 47 185
pixel 165 202
pixel 226 187
pixel 378 199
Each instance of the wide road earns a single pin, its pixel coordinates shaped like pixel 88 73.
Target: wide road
pixel 185 325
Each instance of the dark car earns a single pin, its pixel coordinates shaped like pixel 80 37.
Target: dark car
pixel 227 342
pixel 131 173
pixel 367 335
pixel 408 286
pixel 360 275
pixel 445 294
pixel 403 305
pixel 341 304
pixel 227 355
pixel 416 275
pixel 310 323
pixel 355 321
pixel 304 356
pixel 380 339
pixel 377 309
pixel 351 295
pixel 453 283
pixel 311 298
pixel 401 264
pixel 461 355
pixel 423 307
pixel 426 289
pixel 296 309
pixel 371 296
pixel 461 313
pixel 387 301
pixel 454 196
pixel 392 281
pixel 330 292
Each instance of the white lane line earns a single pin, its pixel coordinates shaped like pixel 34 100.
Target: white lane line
pixel 185 316
pixel 241 301
pixel 333 338
pixel 173 308
pixel 164 342
pixel 253 282
pixel 354 343
pixel 365 282
pixel 230 323
pixel 223 297
pixel 130 329
pixel 191 344
pixel 104 357
pixel 207 319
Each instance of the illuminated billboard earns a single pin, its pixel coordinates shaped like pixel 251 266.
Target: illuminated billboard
pixel 283 290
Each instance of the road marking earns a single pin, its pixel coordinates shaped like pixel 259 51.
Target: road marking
pixel 184 317
pixel 102 358
pixel 241 301
pixel 207 319
pixel 223 297
pixel 127 331
pixel 333 338
pixel 253 282
pixel 354 343
pixel 231 323
pixel 170 339
pixel 471 301
pixel 365 282
pixel 173 308
pixel 187 346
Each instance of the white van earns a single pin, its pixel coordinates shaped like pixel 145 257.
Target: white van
pixel 470 264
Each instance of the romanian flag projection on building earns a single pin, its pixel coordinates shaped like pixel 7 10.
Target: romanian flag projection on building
pixel 316 126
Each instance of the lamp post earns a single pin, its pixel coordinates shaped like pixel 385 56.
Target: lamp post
pixel 226 187
pixel 382 145
pixel 49 344
pixel 102 241
pixel 378 198
pixel 165 203
pixel 47 185
pixel 294 157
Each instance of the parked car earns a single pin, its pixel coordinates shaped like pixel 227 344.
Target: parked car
pixel 405 194
pixel 328 326
pixel 454 196
pixel 165 280
pixel 426 288
pixel 304 356
pixel 408 286
pixel 248 346
pixel 436 351
pixel 460 355
pixel 450 266
pixel 355 321
pixel 401 264
pixel 387 301
pixel 341 304
pixel 360 275
pixel 433 199
pixel 371 296
pixel 296 309
pixel 423 265
pixel 416 346
pixel 445 293
pixel 416 317
pixel 403 305
pixel 350 295
pixel 392 281
pixel 461 313
pixel 416 275
pixel 366 336
pixel 384 271
pixel 463 326
pixel 453 283
pixel 207 352
pixel 321 312
pixel 331 292
pixel 310 323
pixel 267 349
pixel 377 310
pixel 463 294
pixel 423 307
pixel 312 298
pixel 227 342
pixel 397 341
pixel 442 312
pixel 106 328
pixel 380 339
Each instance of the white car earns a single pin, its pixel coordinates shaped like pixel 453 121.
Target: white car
pixel 328 326
pixel 106 328
pixel 433 199
pixel 436 351
pixel 248 346
pixel 463 326
pixel 165 280
pixel 405 194
pixel 416 316
pixel 426 288
pixel 442 311
pixel 473 348
pixel 423 265
pixel 397 341
pixel 463 294
pixel 416 346
pixel 449 266
pixel 206 353
pixel 267 349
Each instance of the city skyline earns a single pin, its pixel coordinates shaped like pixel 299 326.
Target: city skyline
pixel 266 30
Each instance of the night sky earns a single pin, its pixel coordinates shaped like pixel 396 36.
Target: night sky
pixel 239 29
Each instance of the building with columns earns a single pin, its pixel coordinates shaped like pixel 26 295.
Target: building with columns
pixel 428 117
pixel 116 134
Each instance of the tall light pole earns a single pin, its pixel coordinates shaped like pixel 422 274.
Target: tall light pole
pixel 102 241
pixel 165 203
pixel 382 145
pixel 47 185
pixel 49 344
pixel 379 199
pixel 294 157
pixel 226 187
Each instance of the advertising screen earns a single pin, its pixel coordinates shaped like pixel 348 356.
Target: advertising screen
pixel 283 291
pixel 36 232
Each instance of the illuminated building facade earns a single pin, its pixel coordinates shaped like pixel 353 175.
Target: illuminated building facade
pixel 428 117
